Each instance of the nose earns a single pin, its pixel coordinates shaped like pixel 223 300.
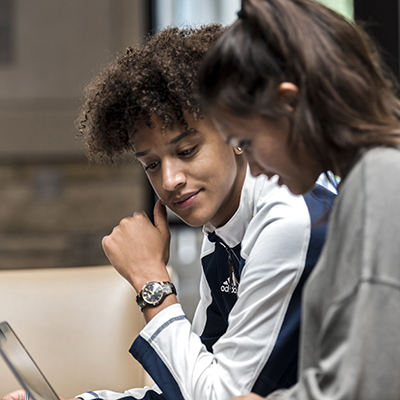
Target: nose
pixel 173 175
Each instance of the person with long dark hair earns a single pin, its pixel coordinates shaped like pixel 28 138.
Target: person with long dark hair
pixel 304 91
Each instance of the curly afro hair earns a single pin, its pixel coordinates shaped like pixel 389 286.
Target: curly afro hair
pixel 156 78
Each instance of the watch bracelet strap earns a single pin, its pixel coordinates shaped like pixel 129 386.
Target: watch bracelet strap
pixel 167 291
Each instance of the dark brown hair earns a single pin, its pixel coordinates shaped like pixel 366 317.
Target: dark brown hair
pixel 156 78
pixel 346 96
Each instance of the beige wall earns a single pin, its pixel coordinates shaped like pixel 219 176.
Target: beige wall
pixel 58 46
pixel 77 324
pixel 54 208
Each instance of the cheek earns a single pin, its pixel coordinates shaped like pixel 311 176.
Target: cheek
pixel 157 186
pixel 219 158
pixel 222 134
pixel 222 174
pixel 261 155
pixel 271 153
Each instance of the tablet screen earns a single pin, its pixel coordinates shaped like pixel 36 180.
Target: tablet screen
pixel 22 365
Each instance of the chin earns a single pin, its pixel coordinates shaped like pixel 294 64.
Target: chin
pixel 194 223
pixel 192 220
pixel 300 190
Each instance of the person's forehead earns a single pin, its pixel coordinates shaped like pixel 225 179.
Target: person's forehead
pixel 147 138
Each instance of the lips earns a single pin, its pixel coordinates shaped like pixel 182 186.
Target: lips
pixel 185 200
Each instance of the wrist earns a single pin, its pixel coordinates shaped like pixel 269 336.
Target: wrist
pixel 150 312
pixel 158 274
pixel 154 293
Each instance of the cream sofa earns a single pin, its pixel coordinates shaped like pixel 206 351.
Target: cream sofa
pixel 77 323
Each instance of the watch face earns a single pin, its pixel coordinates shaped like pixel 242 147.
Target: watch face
pixel 152 293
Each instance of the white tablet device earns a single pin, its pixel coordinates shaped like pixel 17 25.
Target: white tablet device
pixel 23 367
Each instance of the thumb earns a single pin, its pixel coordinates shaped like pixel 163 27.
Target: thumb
pixel 160 218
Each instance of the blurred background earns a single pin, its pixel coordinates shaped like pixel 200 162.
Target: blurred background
pixel 54 206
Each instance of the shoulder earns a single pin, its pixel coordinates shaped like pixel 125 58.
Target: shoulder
pixel 262 202
pixel 270 197
pixel 368 197
pixel 382 155
pixel 382 165
pixel 278 217
pixel 275 202
pixel 364 222
pixel 376 173
pixel 376 161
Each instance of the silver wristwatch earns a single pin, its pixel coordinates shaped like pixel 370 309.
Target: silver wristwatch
pixel 154 293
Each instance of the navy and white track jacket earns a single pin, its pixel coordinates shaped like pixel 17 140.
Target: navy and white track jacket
pixel 244 337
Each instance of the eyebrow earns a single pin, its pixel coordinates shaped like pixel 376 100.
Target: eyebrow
pixel 175 140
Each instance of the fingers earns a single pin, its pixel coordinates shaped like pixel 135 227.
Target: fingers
pixel 126 221
pixel 127 229
pixel 140 214
pixel 17 395
pixel 160 218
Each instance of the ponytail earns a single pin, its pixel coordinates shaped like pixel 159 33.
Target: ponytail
pixel 346 95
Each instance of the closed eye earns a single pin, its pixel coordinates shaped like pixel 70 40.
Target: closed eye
pixel 235 142
pixel 151 166
pixel 187 152
pixel 244 144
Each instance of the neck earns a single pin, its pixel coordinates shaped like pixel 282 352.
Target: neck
pixel 345 161
pixel 233 199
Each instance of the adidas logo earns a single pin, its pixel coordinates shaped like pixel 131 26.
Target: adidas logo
pixel 229 287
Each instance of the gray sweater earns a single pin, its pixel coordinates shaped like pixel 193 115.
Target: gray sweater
pixel 350 341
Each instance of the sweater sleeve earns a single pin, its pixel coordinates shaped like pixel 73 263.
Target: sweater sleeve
pixel 365 363
pixel 351 332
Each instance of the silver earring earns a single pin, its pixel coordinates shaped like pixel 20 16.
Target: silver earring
pixel 239 148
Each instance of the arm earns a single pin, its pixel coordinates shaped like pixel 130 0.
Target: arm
pixel 16 395
pixel 250 396
pixel 253 396
pixel 168 347
pixel 146 393
pixel 358 351
pixel 21 395
pixel 139 251
pixel 351 330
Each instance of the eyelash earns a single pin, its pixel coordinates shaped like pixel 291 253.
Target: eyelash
pixel 184 153
pixel 148 167
pixel 188 152
pixel 244 144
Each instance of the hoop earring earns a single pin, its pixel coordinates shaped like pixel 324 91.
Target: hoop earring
pixel 239 148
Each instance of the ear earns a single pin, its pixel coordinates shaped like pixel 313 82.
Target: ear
pixel 237 150
pixel 288 94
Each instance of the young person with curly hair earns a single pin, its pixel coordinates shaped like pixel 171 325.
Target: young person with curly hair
pixel 260 243
pixel 259 246
pixel 304 92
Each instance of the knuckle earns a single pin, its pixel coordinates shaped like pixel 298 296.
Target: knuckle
pixel 139 215
pixel 105 241
pixel 124 222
